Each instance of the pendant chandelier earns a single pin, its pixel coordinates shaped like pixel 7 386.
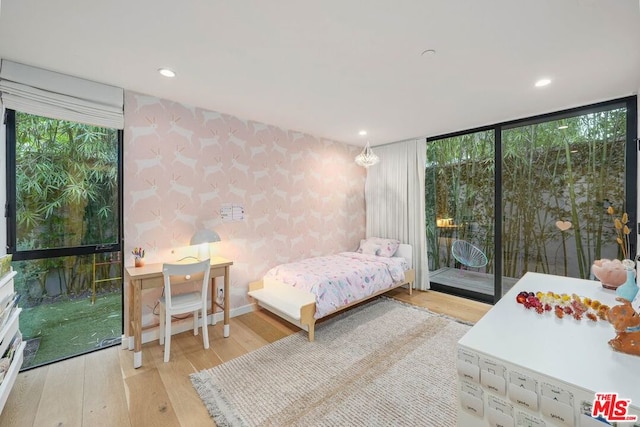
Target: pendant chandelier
pixel 367 157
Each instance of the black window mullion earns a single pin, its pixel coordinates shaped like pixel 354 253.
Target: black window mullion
pixel 631 165
pixel 497 200
pixel 10 208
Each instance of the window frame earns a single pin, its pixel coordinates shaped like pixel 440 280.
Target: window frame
pixel 632 148
pixel 10 207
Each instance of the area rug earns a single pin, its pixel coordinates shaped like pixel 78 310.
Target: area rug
pixel 382 364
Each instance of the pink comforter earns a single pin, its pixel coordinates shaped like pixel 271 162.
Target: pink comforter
pixel 338 280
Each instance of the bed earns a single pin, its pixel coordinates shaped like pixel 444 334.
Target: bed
pixel 305 291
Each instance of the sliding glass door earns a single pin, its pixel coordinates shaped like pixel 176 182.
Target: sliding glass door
pixel 552 185
pixel 64 233
pixel 459 192
pixel 560 177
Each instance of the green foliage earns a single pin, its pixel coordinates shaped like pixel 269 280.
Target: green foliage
pixel 461 171
pixel 71 327
pixel 65 168
pixel 549 173
pixel 66 193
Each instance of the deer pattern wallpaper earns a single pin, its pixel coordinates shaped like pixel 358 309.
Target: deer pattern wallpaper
pixel 301 196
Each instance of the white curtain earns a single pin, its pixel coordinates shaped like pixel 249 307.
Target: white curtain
pixel 59 96
pixel 395 200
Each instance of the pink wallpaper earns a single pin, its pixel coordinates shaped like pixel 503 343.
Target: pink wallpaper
pixel 302 196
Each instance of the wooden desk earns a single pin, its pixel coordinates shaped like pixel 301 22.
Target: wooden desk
pixel 150 276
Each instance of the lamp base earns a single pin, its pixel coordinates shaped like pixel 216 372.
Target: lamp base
pixel 203 251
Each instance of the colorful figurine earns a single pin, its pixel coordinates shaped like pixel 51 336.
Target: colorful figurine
pixel 626 322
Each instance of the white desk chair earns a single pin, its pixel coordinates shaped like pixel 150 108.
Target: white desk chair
pixel 190 302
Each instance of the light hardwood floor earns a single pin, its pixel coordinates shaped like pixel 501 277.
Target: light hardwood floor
pixel 103 388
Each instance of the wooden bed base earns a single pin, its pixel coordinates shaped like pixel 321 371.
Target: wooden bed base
pixel 298 306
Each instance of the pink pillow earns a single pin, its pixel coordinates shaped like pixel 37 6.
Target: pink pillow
pixel 388 247
pixel 370 248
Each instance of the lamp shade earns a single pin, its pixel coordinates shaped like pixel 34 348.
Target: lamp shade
pixel 202 238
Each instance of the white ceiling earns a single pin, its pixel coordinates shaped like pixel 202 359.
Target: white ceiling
pixel 333 67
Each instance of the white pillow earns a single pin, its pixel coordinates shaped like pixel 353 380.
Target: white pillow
pixel 386 247
pixel 370 248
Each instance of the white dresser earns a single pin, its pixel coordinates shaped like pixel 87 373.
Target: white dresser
pixel 9 332
pixel 520 368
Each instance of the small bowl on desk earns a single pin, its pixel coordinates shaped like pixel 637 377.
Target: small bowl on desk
pixel 610 272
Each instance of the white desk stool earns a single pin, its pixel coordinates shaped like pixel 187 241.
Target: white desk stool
pixel 190 302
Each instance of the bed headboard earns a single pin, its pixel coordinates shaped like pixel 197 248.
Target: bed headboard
pixel 405 251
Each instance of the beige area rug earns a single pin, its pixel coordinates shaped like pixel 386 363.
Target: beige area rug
pixel 382 364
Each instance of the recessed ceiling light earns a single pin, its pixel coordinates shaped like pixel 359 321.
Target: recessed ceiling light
pixel 428 52
pixel 167 72
pixel 563 127
pixel 362 133
pixel 543 82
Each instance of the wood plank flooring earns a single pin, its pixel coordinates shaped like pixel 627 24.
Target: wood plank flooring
pixel 103 388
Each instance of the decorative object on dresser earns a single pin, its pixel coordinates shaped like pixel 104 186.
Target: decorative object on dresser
pixel 382 363
pixel 622 232
pixel 563 305
pixel 610 272
pixel 626 322
pixel 629 290
pixel 613 273
pixel 308 290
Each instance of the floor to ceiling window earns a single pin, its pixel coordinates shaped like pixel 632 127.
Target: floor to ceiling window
pixel 64 233
pixel 459 194
pixel 548 183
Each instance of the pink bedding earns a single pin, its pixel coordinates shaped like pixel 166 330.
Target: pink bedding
pixel 338 280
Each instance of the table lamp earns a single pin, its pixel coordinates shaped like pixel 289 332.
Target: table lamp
pixel 202 238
